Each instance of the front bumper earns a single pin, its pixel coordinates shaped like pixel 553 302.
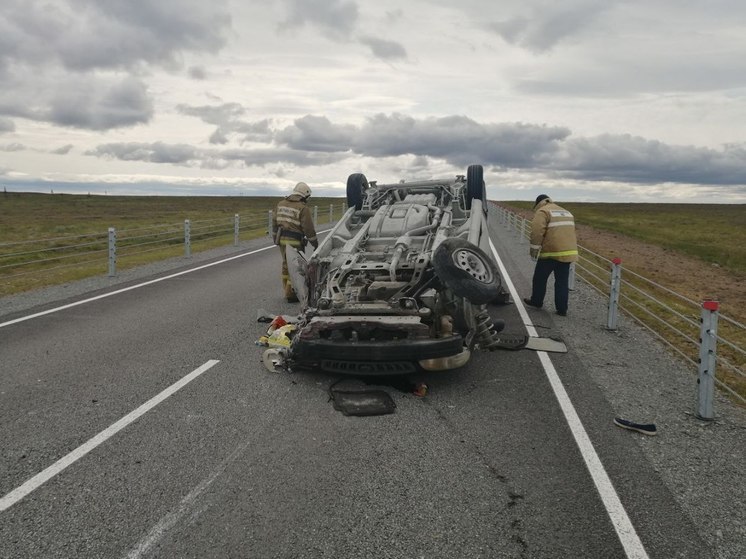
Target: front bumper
pixel 369 357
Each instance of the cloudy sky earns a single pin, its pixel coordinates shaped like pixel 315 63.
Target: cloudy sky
pixel 587 100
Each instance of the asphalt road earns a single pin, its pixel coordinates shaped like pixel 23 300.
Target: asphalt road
pixel 241 462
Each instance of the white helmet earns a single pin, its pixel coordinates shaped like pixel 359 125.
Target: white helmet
pixel 302 189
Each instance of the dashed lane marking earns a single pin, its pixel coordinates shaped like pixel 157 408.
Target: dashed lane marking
pixel 39 479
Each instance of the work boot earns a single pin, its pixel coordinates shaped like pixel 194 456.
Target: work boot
pixel 290 293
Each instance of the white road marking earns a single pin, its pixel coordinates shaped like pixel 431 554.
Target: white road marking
pixel 626 532
pixel 130 288
pixel 185 507
pixel 39 479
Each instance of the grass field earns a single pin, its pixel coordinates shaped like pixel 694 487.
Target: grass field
pixel 47 239
pixel 25 216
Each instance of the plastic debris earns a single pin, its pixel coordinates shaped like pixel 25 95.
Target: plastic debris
pixel 279 337
pixel 276 323
pixel 273 359
pixel 420 389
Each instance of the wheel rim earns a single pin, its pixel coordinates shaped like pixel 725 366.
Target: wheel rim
pixel 472 264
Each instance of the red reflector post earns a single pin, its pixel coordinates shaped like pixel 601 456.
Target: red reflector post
pixel 616 261
pixel 711 305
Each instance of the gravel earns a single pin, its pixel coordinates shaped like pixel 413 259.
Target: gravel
pixel 703 464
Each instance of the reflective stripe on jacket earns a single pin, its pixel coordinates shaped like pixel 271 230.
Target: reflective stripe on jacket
pixel 294 219
pixel 553 232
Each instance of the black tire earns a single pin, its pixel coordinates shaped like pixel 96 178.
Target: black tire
pixel 467 271
pixel 475 186
pixel 357 184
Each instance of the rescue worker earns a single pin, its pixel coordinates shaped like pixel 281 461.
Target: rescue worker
pixel 553 246
pixel 292 227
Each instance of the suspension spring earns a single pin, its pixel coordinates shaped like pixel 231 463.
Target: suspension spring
pixel 485 332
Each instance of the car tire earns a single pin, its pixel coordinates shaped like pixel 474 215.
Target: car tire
pixel 467 271
pixel 357 184
pixel 475 186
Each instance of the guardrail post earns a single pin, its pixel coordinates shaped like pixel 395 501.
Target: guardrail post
pixel 315 215
pixel 616 282
pixel 269 222
pixel 236 228
pixel 707 350
pixel 187 238
pixel 112 252
pixel 571 278
pixel 331 213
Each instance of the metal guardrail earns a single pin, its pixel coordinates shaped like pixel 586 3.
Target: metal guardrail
pixel 58 259
pixel 696 331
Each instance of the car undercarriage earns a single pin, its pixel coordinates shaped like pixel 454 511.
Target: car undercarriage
pixel 400 284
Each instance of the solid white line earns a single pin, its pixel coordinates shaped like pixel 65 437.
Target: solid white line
pixel 130 288
pixel 20 492
pixel 619 518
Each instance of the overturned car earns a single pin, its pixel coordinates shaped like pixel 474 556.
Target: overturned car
pixel 401 283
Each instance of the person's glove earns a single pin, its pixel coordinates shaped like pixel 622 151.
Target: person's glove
pixel 315 245
pixel 534 253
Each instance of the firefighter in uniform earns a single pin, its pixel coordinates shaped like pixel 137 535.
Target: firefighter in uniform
pixel 292 227
pixel 553 246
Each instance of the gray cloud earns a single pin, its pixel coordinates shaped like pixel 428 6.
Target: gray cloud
pixel 339 21
pixel 315 133
pixel 120 104
pixel 637 160
pixel 460 141
pixel 334 17
pixel 64 150
pixel 197 73
pixel 79 101
pixel 547 26
pixel 185 155
pixel 158 152
pixel 225 117
pixel 15 146
pixel 386 50
pixel 219 115
pixel 7 125
pixel 89 34
pixel 457 139
pixel 72 62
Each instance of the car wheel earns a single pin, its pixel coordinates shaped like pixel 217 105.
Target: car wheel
pixel 475 186
pixel 357 184
pixel 467 271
